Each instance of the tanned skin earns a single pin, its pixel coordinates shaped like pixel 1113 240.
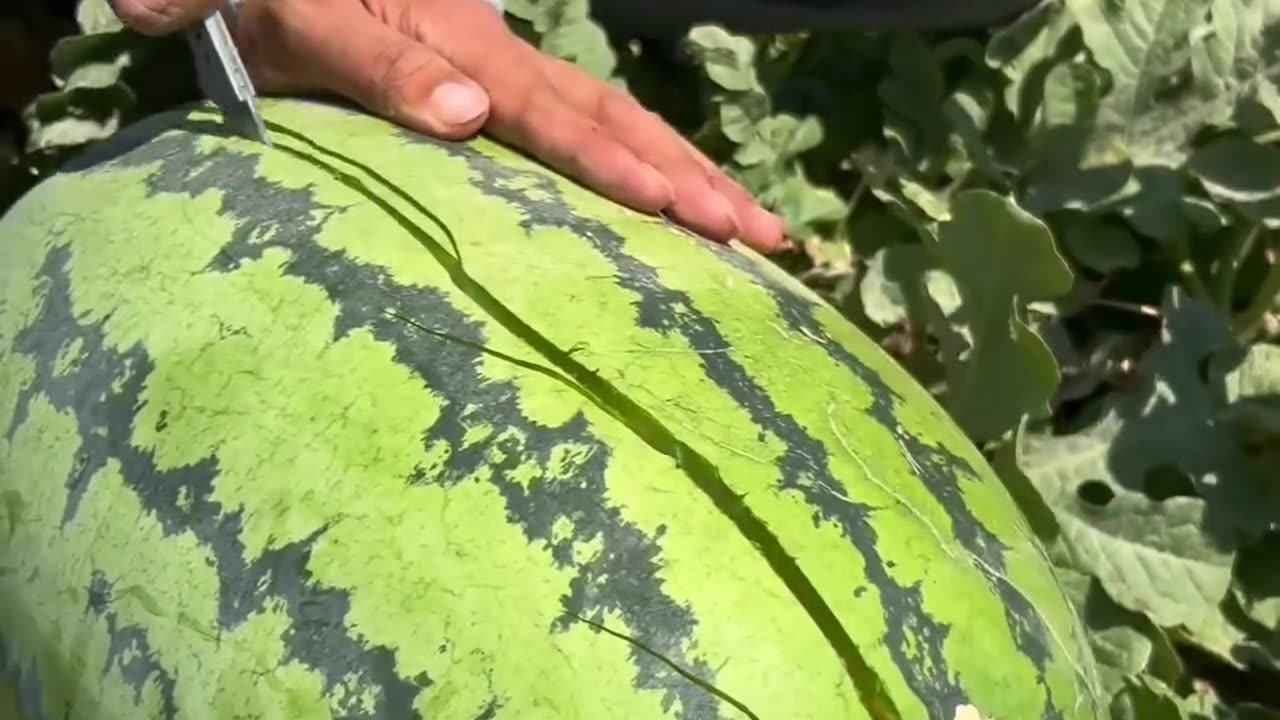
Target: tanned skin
pixel 453 68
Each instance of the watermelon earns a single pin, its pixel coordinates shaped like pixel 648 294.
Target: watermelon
pixel 367 425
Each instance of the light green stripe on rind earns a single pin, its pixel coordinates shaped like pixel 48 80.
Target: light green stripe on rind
pixel 1026 565
pixel 164 584
pixel 248 368
pixel 791 365
pixel 231 376
pixel 867 682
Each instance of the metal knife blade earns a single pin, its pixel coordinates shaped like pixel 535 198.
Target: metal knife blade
pixel 223 78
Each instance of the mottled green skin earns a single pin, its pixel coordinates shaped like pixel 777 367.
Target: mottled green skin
pixel 371 426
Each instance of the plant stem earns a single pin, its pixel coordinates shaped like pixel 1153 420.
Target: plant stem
pixel 1247 323
pixel 1196 286
pixel 1242 243
pixel 1187 270
pixel 1140 309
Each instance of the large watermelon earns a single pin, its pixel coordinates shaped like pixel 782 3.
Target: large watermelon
pixel 367 425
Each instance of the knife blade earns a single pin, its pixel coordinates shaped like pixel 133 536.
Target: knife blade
pixel 223 78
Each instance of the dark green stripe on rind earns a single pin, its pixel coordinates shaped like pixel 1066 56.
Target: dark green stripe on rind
pixel 104 394
pixel 615 581
pixel 614 587
pixel 942 473
pixel 445 495
pixel 875 700
pixel 666 311
pixel 130 652
pixel 621 577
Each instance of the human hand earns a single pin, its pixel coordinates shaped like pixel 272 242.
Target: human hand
pixel 451 68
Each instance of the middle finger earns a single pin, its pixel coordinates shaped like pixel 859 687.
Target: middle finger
pixel 701 188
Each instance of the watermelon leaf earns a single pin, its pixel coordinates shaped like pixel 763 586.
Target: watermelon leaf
pixel 1145 698
pixel 1125 642
pixel 1157 545
pixel 565 30
pixel 1001 258
pixel 1175 66
pixel 96 16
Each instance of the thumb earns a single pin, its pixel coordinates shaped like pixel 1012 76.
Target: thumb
pixel 161 17
pixel 342 49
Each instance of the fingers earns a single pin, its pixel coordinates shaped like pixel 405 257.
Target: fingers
pixel 706 197
pixel 383 70
pixel 698 204
pixel 540 122
pixel 526 110
pixel 404 81
pixel 161 17
pixel 450 67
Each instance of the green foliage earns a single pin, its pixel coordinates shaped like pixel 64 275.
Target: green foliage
pixel 1009 372
pixel 1064 227
pixel 103 79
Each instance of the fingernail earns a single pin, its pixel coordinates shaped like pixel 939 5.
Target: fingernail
pixel 725 209
pixel 456 104
pixel 765 219
pixel 785 242
pixel 658 181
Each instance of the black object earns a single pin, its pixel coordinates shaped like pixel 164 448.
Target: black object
pixel 61 9
pixel 664 18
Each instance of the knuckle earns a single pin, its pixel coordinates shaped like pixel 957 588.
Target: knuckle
pixel 611 97
pixel 517 94
pixel 394 69
pixel 614 104
pixel 570 135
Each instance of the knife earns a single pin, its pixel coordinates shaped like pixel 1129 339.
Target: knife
pixel 223 78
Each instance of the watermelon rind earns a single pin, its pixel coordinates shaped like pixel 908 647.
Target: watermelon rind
pixel 370 425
